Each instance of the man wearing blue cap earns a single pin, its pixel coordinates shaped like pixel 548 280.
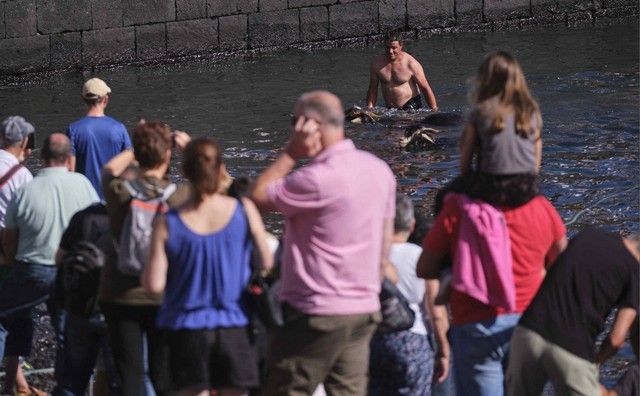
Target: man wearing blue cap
pixel 96 137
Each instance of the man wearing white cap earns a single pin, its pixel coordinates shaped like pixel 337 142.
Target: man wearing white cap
pixel 96 138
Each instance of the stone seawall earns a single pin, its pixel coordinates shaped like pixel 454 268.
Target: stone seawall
pixel 42 35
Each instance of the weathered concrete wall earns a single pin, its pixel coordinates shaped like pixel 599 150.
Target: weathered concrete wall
pixel 37 35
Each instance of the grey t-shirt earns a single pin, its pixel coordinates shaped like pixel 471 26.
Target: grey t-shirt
pixel 505 152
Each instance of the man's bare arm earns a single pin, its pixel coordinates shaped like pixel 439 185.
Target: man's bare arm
pixel 72 163
pixel 387 269
pixel 615 339
pixel 304 143
pixel 555 250
pixel 423 84
pixel 118 164
pixel 372 92
pixel 439 318
pixel 277 170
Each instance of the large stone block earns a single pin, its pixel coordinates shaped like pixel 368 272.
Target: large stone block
pixel 393 14
pixel 308 3
pixel 430 13
pixel 66 50
pixel 468 12
pixel 505 9
pixel 233 32
pixel 24 54
pixel 151 41
pixel 20 18
pixel 351 20
pixel 619 3
pixel 539 7
pixel 56 16
pixel 228 7
pixel 140 12
pixel 273 28
pixel 108 46
pixel 2 20
pixel 314 24
pixel 191 9
pixel 580 18
pixel 272 5
pixel 199 36
pixel 616 16
pixel 107 14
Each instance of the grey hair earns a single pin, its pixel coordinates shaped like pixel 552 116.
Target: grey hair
pixel 318 105
pixel 404 213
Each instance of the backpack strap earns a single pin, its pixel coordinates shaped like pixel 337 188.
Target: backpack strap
pixel 7 176
pixel 136 188
pixel 256 267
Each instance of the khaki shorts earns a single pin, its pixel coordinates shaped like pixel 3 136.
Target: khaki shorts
pixel 533 360
pixel 309 350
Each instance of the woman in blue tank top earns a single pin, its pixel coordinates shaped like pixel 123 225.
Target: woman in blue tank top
pixel 200 260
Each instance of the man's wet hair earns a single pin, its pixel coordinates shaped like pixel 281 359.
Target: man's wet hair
pixel 404 213
pixel 393 35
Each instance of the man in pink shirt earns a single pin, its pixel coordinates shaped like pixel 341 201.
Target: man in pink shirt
pixel 339 213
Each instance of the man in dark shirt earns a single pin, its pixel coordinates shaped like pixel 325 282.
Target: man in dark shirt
pixel 555 339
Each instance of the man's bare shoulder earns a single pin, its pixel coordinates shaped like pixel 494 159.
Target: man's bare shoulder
pixel 379 62
pixel 410 61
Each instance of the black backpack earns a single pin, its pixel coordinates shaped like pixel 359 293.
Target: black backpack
pixel 78 277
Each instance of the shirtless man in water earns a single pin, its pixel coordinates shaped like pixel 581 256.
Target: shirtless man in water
pixel 401 77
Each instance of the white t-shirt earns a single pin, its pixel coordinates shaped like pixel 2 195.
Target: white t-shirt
pixel 405 257
pixel 22 176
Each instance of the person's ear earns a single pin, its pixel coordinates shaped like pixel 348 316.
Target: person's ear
pixel 412 227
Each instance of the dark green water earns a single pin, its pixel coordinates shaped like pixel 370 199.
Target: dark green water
pixel 586 81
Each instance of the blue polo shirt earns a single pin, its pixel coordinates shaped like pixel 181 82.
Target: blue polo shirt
pixel 95 140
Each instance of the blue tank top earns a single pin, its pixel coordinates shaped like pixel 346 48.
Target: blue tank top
pixel 206 276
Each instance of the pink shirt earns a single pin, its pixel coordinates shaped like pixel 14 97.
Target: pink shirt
pixel 334 209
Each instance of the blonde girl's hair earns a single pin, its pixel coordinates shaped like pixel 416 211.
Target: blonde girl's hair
pixel 201 165
pixel 500 74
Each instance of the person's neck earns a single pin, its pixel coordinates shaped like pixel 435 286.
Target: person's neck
pixel 95 111
pixel 14 150
pixel 401 237
pixel 331 138
pixel 56 165
pixel 158 172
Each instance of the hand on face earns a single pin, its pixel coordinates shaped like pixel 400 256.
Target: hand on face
pixel 305 138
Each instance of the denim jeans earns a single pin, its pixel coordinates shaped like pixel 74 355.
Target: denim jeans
pixel 83 339
pixel 480 351
pixel 26 286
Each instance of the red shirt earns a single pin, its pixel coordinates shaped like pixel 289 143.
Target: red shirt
pixel 533 229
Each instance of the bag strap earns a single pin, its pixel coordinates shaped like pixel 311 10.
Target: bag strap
pixel 255 265
pixel 136 188
pixel 7 176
